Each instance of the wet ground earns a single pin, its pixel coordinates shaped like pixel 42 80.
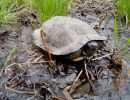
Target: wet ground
pixel 27 71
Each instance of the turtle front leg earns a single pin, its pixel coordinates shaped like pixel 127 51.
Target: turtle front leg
pixel 48 51
pixel 52 63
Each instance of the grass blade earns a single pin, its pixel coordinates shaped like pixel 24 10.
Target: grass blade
pixel 9 57
pixel 115 32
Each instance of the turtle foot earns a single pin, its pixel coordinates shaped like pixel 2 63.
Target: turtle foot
pixel 52 68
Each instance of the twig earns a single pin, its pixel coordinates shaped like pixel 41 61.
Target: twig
pixel 90 82
pixel 15 77
pixel 1 72
pixel 11 65
pixel 40 62
pixel 100 22
pixel 98 58
pixel 76 85
pixel 72 87
pixel 38 58
pixel 98 72
pixel 86 72
pixel 34 89
pixel 30 98
pixel 32 73
pixel 66 94
pixel 17 91
pixel 126 20
pixel 55 97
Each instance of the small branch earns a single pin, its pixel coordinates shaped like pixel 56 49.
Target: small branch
pixel 36 60
pixel 11 65
pixel 86 72
pixel 72 87
pixel 32 73
pixel 98 58
pixel 1 72
pixel 55 97
pixel 40 62
pixel 17 91
pixel 66 94
pixel 126 20
pixel 100 22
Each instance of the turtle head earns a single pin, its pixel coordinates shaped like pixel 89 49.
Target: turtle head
pixel 91 47
pixel 37 39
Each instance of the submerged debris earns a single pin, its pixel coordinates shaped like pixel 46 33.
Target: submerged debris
pixel 87 70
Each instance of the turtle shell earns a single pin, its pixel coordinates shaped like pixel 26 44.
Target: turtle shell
pixel 65 35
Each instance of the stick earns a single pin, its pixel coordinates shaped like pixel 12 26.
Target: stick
pixel 17 91
pixel 1 72
pixel 38 58
pixel 86 72
pixel 40 62
pixel 66 94
pixel 72 87
pixel 98 58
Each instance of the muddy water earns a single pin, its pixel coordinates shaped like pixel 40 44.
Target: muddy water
pixel 100 16
pixel 19 36
pixel 14 36
pixel 108 87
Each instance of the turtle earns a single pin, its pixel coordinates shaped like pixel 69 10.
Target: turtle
pixel 68 37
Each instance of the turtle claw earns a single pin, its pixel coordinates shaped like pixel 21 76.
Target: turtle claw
pixel 52 67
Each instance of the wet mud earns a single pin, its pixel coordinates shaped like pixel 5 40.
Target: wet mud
pixel 27 75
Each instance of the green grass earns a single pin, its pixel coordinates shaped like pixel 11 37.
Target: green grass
pixel 48 8
pixel 5 10
pixel 23 2
pixel 6 61
pixel 122 45
pixel 8 11
pixel 123 9
pixel 115 32
pixel 44 8
pixel 125 46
